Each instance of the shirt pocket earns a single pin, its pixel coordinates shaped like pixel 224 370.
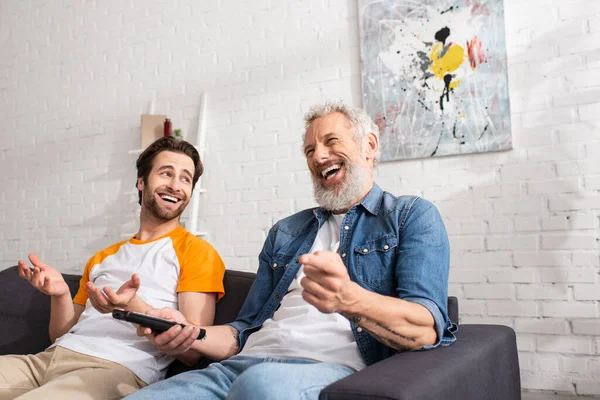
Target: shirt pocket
pixel 278 264
pixel 376 261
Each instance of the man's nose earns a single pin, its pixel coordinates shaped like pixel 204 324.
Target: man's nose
pixel 320 154
pixel 174 184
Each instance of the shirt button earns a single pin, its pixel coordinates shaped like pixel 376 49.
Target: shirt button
pixel 365 251
pixel 277 296
pixel 297 260
pixel 343 255
pixel 274 265
pixel 359 329
pixel 346 227
pixel 386 247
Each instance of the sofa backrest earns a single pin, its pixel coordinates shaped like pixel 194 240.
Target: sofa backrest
pixel 25 312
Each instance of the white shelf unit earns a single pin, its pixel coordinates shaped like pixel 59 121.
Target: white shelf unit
pixel 200 147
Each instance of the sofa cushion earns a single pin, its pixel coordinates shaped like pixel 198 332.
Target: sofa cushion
pixel 25 314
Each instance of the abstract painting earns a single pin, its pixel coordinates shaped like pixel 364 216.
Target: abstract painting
pixel 434 76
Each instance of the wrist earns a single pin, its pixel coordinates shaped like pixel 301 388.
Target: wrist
pixel 138 305
pixel 355 300
pixel 63 296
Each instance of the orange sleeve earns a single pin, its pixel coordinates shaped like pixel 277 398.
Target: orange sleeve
pixel 82 295
pixel 201 269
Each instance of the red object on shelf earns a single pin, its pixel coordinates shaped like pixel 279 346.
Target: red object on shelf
pixel 167 127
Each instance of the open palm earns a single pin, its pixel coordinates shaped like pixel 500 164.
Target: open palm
pixel 106 300
pixel 44 278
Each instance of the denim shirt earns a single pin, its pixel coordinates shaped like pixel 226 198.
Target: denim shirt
pixel 394 246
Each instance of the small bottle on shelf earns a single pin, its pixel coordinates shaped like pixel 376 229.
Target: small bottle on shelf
pixel 167 127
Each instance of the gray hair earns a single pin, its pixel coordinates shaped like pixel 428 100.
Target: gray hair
pixel 358 118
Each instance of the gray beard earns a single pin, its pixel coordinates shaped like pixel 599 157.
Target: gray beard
pixel 347 191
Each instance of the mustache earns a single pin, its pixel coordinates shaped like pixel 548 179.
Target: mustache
pixel 166 190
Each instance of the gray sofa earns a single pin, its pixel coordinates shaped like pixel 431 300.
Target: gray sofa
pixel 482 364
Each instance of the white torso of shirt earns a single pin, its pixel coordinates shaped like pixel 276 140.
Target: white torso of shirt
pixel 298 330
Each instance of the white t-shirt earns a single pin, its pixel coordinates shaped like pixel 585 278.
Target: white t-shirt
pixel 298 330
pixel 176 262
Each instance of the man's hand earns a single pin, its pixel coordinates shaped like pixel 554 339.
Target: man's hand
pixel 176 340
pixel 107 300
pixel 327 285
pixel 43 277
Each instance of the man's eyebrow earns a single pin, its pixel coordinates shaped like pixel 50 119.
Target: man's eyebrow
pixel 163 167
pixel 188 172
pixel 171 168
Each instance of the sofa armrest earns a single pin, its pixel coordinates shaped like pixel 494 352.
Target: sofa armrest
pixel 481 364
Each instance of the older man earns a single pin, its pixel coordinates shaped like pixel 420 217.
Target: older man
pixel 338 287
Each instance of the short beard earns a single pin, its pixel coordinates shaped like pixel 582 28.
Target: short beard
pixel 342 196
pixel 161 214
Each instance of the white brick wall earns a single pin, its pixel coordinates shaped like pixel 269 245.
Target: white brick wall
pixel 75 77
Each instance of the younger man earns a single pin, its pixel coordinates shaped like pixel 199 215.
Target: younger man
pixel 95 356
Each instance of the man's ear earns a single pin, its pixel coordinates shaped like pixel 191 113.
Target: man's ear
pixel 140 183
pixel 371 146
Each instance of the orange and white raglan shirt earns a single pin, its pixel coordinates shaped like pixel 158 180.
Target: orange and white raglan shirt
pixel 177 262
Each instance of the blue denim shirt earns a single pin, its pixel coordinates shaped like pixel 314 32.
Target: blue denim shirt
pixel 394 246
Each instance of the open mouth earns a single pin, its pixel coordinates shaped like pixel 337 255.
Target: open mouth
pixel 331 171
pixel 169 198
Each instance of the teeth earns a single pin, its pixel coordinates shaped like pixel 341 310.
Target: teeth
pixel 169 198
pixel 325 171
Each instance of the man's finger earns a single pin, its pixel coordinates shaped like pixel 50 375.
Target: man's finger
pixel 135 280
pixel 310 298
pixel 143 331
pixel 24 270
pixel 193 336
pixel 167 336
pixel 98 295
pixel 111 295
pixel 325 261
pixel 184 334
pixel 36 261
pixel 37 277
pixel 313 288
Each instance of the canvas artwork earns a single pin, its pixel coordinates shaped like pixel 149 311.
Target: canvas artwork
pixel 434 76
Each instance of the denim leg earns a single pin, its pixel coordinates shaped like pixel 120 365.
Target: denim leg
pixel 213 382
pixel 283 379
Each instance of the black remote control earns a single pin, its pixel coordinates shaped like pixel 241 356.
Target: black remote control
pixel 158 325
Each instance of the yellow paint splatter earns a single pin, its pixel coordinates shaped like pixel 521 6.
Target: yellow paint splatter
pixel 449 62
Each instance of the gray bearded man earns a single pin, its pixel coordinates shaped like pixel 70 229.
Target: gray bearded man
pixel 338 287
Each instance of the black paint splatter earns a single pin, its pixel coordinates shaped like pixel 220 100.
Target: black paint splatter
pixel 438 143
pixel 446 91
pixel 484 129
pixel 423 104
pixel 448 10
pixel 442 34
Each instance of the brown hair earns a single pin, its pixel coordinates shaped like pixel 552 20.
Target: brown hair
pixel 167 143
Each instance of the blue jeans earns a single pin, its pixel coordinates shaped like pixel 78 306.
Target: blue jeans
pixel 247 378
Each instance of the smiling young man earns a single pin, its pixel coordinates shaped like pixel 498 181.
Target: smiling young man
pixel 94 356
pixel 338 287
